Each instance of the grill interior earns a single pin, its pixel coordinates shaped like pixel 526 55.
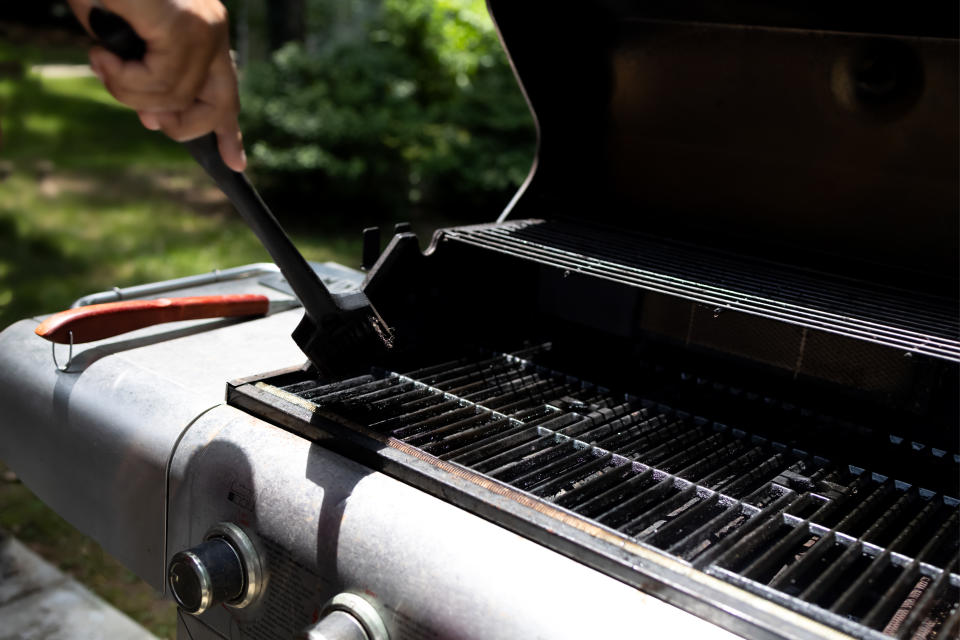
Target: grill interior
pixel 900 318
pixel 855 529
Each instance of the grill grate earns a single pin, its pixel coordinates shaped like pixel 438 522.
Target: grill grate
pixel 813 534
pixel 913 322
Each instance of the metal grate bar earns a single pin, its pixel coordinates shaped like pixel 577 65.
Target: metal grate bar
pixel 909 587
pixel 778 557
pixel 538 461
pixel 916 609
pixel 337 392
pixel 493 428
pixel 649 521
pixel 550 487
pixel 714 533
pixel 712 459
pixel 951 627
pixel 880 571
pixel 635 481
pixel 930 334
pixel 663 487
pixel 437 409
pixel 559 468
pixel 669 447
pixel 751 532
pixel 648 433
pixel 454 415
pixel 583 492
pixel 679 258
pixel 520 436
pixel 480 422
pixel 752 478
pixel 791 579
pixel 706 511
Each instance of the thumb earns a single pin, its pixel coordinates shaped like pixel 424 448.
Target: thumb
pixel 104 63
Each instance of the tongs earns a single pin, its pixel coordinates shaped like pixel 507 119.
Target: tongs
pixel 338 330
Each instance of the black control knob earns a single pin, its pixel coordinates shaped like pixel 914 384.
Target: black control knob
pixel 223 568
pixel 206 575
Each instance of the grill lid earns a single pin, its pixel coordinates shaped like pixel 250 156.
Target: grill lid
pixel 825 139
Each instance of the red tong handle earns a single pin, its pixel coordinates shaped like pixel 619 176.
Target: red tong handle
pixel 99 321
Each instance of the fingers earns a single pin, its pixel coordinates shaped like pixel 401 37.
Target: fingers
pixel 186 84
pixel 146 85
pixel 230 142
pixel 150 120
pixel 154 96
pixel 216 109
pixel 183 38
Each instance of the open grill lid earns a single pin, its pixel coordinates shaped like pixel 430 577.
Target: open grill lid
pixel 821 136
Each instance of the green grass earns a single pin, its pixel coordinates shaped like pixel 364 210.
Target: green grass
pixel 64 51
pixel 90 200
pixel 76 124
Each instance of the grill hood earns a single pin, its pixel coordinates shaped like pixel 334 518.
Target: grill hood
pixel 820 136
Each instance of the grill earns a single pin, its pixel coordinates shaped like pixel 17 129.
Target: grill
pixel 699 378
pixel 869 548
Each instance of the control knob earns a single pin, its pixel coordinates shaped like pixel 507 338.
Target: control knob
pixel 225 567
pixel 347 616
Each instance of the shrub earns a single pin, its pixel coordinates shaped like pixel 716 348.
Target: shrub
pixel 422 111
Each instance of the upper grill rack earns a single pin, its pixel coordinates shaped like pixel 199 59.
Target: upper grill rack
pixel 913 322
pixel 854 548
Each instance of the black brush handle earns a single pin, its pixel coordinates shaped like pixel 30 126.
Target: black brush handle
pixel 118 37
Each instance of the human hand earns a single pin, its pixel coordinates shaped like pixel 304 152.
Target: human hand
pixel 186 84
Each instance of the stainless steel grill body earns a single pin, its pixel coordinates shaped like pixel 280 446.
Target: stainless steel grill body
pixel 327 524
pixel 137 449
pixel 861 549
pixel 95 444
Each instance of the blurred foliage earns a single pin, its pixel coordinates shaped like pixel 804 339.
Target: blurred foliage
pixel 90 200
pixel 75 123
pixel 417 109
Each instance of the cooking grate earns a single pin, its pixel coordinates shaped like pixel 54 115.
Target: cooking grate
pixel 834 541
pixel 911 321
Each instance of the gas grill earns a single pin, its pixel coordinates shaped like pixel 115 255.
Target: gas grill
pixel 699 379
pixel 828 509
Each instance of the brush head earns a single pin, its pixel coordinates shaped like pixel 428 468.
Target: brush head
pixel 339 343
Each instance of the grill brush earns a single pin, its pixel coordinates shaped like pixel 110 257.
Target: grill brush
pixel 338 329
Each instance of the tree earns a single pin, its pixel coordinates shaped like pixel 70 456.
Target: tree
pixel 286 22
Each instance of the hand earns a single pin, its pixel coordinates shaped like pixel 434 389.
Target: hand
pixel 186 84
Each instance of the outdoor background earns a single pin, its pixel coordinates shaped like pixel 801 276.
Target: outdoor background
pixel 355 113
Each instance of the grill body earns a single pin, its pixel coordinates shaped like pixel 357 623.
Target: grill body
pixel 696 384
pixel 611 478
pixel 327 524
pixel 137 449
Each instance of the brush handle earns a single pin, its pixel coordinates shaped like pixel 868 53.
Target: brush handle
pixel 99 321
pixel 316 299
pixel 115 34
